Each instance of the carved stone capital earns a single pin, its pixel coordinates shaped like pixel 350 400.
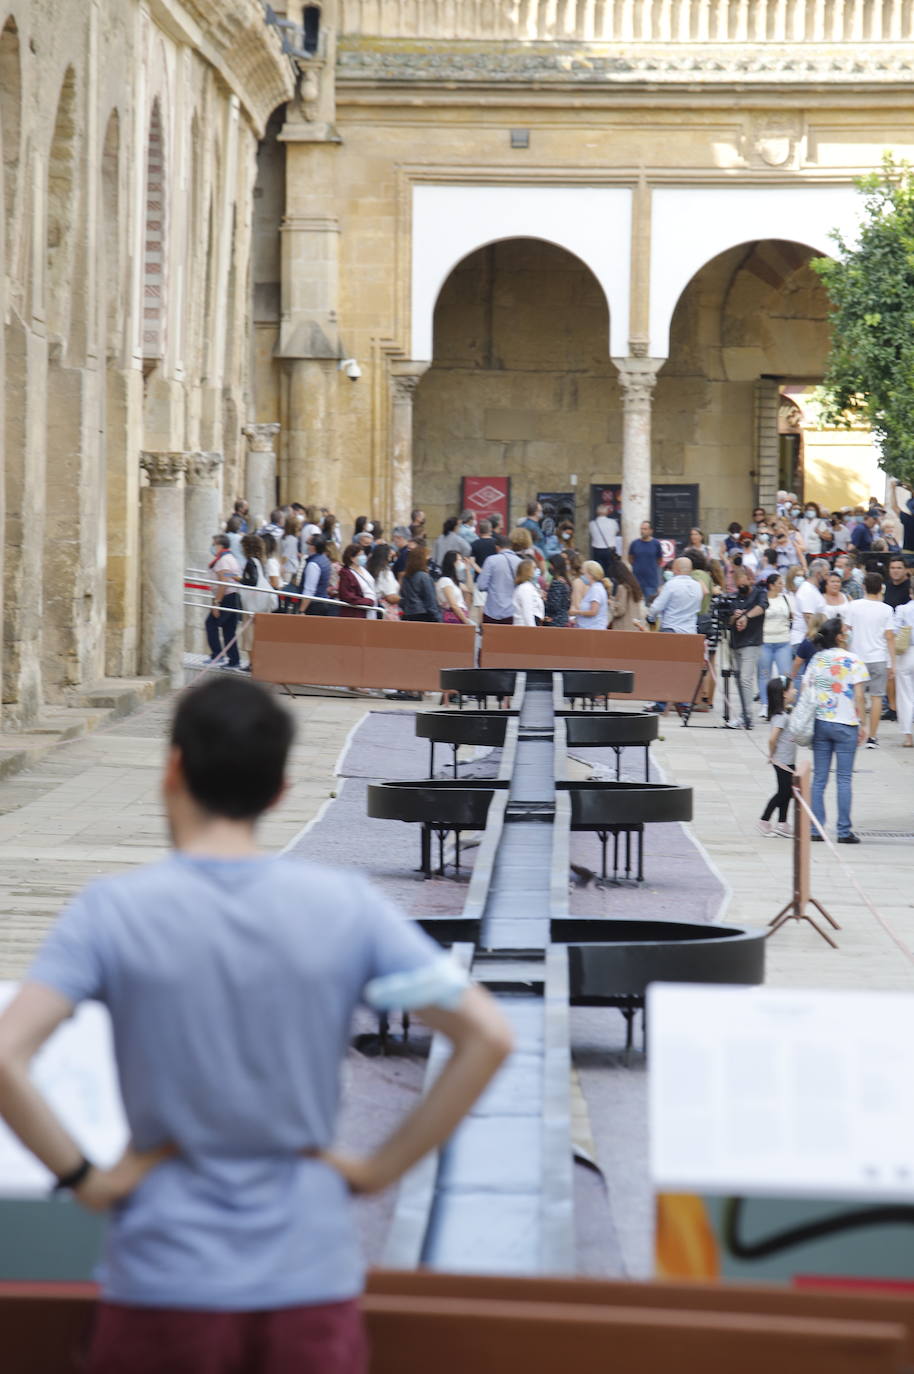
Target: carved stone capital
pixel 404 387
pixel 164 468
pixel 203 469
pixel 261 438
pixel 637 378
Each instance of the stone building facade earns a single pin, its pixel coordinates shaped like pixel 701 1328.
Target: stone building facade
pixel 129 133
pixel 572 237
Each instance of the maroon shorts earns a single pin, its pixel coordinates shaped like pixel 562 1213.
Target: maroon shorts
pixel 328 1339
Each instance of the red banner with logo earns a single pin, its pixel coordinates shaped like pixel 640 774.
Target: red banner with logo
pixel 487 496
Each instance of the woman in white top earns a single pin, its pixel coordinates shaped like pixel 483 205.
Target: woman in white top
pixel 904 671
pixel 808 526
pixel 593 612
pixel 528 604
pixel 835 600
pixel 449 591
pixel 776 650
pixel 290 550
pixel 386 585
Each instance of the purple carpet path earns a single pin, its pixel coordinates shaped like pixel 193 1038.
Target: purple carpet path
pixel 613 1209
pixel 679 883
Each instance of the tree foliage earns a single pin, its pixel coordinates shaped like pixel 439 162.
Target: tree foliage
pixel 870 370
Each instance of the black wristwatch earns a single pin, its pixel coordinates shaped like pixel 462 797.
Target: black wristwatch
pixel 68 1182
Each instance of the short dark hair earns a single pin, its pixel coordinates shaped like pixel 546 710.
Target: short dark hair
pixel 531 507
pixel 317 542
pixel 449 525
pixel 772 578
pixel 873 583
pixel 826 637
pixel 234 738
pixel 222 540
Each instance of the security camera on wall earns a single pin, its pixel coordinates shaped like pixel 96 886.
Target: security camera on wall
pixel 351 369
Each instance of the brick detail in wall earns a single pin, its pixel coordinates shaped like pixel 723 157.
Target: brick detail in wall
pixel 154 249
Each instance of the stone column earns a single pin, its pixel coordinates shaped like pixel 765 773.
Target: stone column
pixel 637 378
pixel 260 484
pixel 162 564
pixel 202 499
pixel 767 443
pixel 405 377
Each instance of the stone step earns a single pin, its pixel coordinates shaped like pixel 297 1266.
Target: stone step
pixel 88 709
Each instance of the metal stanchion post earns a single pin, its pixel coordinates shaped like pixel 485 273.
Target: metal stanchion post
pixel 795 910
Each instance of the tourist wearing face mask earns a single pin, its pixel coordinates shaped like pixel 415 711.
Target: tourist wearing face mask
pixel 356 585
pixel 594 609
pixel 808 525
pixel 449 589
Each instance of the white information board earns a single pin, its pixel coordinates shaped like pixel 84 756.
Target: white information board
pixel 776 1091
pixel 76 1072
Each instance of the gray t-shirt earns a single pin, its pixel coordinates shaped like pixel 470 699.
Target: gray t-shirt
pixel 785 749
pixel 231 986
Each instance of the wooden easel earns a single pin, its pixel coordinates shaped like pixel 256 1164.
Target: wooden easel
pixel 795 910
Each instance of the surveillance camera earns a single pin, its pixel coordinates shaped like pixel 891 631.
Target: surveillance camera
pixel 351 369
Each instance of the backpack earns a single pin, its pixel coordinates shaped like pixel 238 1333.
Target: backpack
pixel 434 570
pixel 802 720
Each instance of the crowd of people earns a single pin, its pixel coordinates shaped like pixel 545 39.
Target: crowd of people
pixel 772 596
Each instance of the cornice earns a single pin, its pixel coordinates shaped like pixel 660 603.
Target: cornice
pixel 386 63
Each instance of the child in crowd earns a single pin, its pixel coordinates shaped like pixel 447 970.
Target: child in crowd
pixel 782 754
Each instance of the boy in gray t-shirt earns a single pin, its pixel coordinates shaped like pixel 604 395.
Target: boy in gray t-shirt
pixel 231 979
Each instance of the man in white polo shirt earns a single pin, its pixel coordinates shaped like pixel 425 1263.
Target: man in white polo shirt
pixel 808 600
pixel 604 532
pixel 872 626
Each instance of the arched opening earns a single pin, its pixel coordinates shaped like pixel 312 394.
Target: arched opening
pixel 750 328
pixel 521 385
pixel 266 267
pixel 10 125
pixel 153 333
pixel 61 205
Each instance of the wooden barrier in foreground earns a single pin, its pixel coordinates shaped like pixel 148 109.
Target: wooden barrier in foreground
pixel 454 1323
pixel 666 667
pixel 332 652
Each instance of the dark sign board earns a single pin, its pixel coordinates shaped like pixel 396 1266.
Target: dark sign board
pixel 674 510
pixel 557 506
pixel 608 494
pixel 487 496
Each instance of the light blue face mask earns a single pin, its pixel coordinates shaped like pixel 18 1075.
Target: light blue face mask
pixel 361 559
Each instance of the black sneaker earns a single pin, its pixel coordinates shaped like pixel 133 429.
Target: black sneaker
pixel 889 714
pixel 816 836
pixel 849 839
pixel 872 743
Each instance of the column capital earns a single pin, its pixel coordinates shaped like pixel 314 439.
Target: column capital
pixel 164 468
pixel 261 438
pixel 405 376
pixel 637 378
pixel 203 468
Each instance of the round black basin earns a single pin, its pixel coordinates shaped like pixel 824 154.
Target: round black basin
pixel 479 682
pixel 609 727
pixel 594 804
pixel 460 805
pixel 465 727
pixel 596 682
pixel 612 960
pixel 464 803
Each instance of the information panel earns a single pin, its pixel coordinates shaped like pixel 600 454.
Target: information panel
pixel 782 1133
pixel 674 510
pixel 557 506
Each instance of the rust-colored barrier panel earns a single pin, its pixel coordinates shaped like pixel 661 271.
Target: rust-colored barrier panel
pixel 754 1299
pixel 326 651
pixel 666 667
pixel 485 1336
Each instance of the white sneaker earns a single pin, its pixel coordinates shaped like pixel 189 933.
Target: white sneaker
pixel 783 829
pixel 763 827
pixel 763 713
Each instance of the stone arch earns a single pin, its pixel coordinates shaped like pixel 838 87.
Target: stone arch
pixel 752 322
pixel 690 226
pixel 154 242
pixel 450 221
pixel 61 210
pixel 11 127
pixel 521 383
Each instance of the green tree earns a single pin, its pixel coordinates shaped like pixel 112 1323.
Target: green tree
pixel 870 370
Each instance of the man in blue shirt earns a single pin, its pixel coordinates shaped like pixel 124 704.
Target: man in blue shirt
pixel 677 609
pixel 231 979
pixel 862 534
pixel 497 581
pixel 646 557
pixel 533 523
